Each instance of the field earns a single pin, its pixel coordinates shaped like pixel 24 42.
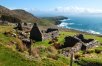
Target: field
pixel 47 55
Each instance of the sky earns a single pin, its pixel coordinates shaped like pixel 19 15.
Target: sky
pixel 56 6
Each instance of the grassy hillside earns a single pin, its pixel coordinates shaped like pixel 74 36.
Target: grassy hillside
pixel 47 55
pixel 23 15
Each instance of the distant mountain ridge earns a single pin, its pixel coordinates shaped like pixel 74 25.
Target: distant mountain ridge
pixel 23 15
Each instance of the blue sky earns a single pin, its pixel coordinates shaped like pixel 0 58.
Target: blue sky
pixel 56 6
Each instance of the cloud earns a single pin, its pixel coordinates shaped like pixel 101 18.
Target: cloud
pixel 65 11
pixel 77 10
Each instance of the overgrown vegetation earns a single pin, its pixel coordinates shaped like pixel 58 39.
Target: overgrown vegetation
pixel 43 53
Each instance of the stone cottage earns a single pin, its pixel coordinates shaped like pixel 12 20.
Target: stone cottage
pixel 38 35
pixel 75 43
pixel 71 41
pixel 35 33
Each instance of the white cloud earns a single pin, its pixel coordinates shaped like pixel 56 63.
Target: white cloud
pixel 77 10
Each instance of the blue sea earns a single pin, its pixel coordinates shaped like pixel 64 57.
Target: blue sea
pixel 89 24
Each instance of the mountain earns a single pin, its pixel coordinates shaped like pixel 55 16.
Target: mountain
pixel 23 15
pixel 5 11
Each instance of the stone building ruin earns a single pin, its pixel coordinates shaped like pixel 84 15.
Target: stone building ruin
pixel 39 35
pixel 23 26
pixel 35 33
pixel 72 41
pixel 76 43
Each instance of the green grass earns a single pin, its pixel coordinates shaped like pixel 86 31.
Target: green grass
pixel 94 37
pixel 71 33
pixel 11 58
pixel 45 22
pixel 91 61
pixel 4 28
pixel 8 57
pixel 41 43
pixel 5 39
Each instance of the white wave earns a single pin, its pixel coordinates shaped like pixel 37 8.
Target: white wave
pixel 93 32
pixel 63 24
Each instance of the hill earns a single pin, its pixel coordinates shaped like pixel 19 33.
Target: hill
pixel 44 54
pixel 56 20
pixel 5 11
pixel 23 15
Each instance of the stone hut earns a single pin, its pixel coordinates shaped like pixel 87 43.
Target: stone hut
pixel 71 41
pixel 19 26
pixel 76 43
pixel 38 35
pixel 35 33
pixel 50 33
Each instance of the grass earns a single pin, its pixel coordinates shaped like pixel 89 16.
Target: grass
pixel 5 39
pixel 90 62
pixel 4 28
pixel 43 43
pixel 8 57
pixel 94 37
pixel 71 33
pixel 11 58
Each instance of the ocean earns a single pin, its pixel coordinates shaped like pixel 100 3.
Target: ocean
pixel 89 24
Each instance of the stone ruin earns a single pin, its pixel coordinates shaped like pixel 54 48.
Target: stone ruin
pixel 87 43
pixel 35 33
pixel 76 43
pixel 39 35
pixel 23 26
pixel 19 26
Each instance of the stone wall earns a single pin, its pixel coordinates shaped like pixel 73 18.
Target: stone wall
pixel 91 44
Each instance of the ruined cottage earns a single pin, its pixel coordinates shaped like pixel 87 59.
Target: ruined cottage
pixel 71 41
pixel 76 43
pixel 35 33
pixel 23 26
pixel 39 35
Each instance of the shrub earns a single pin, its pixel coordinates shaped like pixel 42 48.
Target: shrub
pixel 77 56
pixel 52 56
pixel 57 45
pixel 89 51
pixel 35 52
pixel 20 46
pixel 98 51
pixel 52 50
